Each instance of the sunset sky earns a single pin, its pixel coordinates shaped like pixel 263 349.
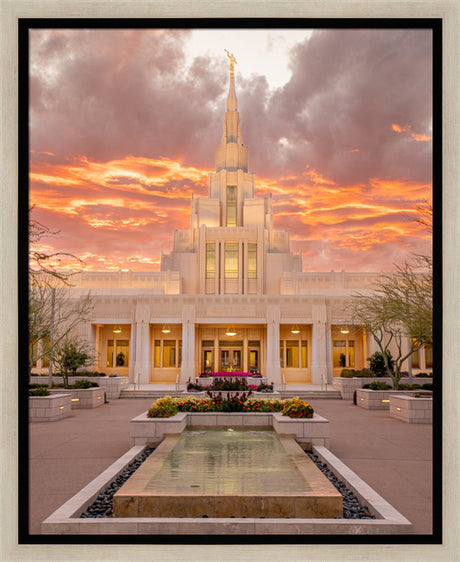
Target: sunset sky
pixel 124 125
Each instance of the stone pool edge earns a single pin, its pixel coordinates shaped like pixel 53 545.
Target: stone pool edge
pixel 66 519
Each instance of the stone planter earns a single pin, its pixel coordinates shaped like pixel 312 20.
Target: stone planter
pixel 348 386
pixel 410 409
pixel 112 385
pixel 308 431
pixel 83 397
pixel 54 407
pixel 377 399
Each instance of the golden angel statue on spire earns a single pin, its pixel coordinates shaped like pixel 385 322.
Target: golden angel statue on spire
pixel 232 61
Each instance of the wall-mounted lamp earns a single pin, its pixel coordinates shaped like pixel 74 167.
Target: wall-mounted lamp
pixel 166 329
pixel 230 331
pixel 295 329
pixel 116 329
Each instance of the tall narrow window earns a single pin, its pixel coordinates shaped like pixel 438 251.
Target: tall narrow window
pixel 304 353
pixel 157 354
pixel 210 261
pixel 231 261
pixel 292 354
pixel 252 261
pixel 231 205
pixel 169 353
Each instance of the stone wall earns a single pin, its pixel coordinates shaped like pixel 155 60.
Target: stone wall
pixel 411 410
pixel 49 408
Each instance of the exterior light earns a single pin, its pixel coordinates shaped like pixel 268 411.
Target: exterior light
pixel 61 407
pixel 166 329
pixel 385 400
pixel 116 329
pixel 399 409
pixel 295 329
pixel 75 399
pixel 344 330
pixel 230 331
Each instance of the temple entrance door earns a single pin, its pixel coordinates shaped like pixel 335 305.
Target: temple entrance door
pixel 207 360
pixel 230 357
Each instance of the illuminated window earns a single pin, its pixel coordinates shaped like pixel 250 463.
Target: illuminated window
pixel 339 353
pixel 231 205
pixel 304 353
pixel 210 261
pixel 231 261
pixel 117 353
pixel 169 353
pixel 252 261
pixel 292 354
pixel 157 353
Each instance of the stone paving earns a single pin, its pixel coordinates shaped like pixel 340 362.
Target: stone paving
pixel 393 457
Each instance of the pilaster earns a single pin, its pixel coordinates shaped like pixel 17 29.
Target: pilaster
pixel 142 348
pixel 273 344
pixel 188 343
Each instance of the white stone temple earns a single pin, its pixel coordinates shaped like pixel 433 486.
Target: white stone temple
pixel 231 296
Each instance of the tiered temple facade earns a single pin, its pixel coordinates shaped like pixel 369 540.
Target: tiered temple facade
pixel 231 296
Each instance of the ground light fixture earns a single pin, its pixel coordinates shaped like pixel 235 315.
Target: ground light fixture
pixel 116 329
pixel 166 329
pixel 230 331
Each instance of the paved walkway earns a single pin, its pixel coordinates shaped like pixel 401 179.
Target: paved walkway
pixel 393 457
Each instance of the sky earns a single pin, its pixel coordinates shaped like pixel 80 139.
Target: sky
pixel 124 125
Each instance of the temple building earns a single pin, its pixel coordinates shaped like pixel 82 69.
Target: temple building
pixel 231 295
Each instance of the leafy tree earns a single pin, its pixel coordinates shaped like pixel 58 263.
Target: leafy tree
pixel 69 356
pixel 53 314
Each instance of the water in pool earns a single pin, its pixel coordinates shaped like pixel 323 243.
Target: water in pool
pixel 227 461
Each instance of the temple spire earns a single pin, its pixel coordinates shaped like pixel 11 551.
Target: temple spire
pixel 232 103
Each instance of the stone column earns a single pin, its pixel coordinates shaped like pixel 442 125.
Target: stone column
pixel 132 354
pixel 142 326
pixel 188 343
pixel 321 345
pixel 273 344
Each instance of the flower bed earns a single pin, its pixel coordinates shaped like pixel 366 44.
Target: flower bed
pixel 292 407
pixel 49 408
pixel 231 374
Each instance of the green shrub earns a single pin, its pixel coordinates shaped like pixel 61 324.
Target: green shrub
pixel 409 386
pixel 377 363
pixel 84 384
pixel 427 386
pixel 265 387
pixel 348 373
pixel 39 391
pixel 377 386
pixel 365 373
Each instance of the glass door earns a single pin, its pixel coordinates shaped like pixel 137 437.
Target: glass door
pixel 208 361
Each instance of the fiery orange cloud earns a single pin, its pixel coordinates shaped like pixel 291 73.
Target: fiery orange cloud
pixel 407 129
pixel 146 199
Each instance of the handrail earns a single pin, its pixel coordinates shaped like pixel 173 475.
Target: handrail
pixel 177 381
pixel 283 382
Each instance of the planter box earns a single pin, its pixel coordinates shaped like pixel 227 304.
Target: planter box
pixel 49 408
pixel 410 409
pixel 348 386
pixel 112 385
pixel 314 431
pixel 377 399
pixel 83 397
